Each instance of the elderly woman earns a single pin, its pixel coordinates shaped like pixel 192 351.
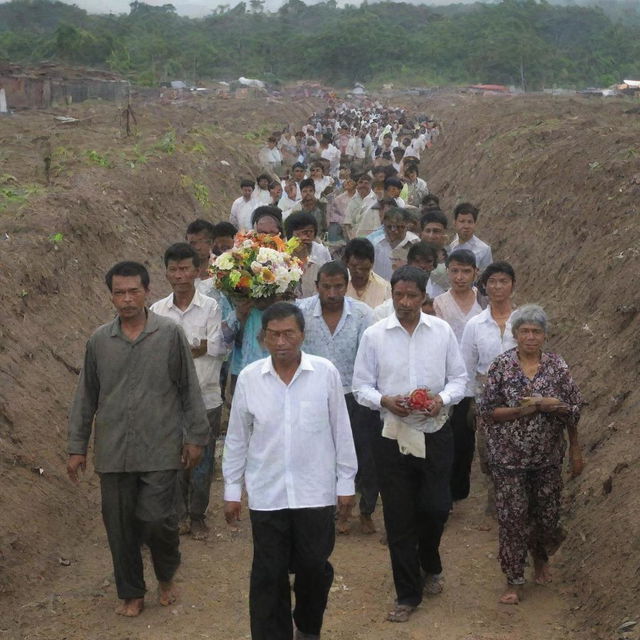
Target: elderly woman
pixel 529 400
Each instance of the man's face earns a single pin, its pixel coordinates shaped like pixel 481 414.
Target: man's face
pixel 247 192
pixel 298 174
pixel 308 193
pixel 411 176
pixel 395 229
pixel 128 296
pixel 360 269
pixel 461 276
pixel 181 274
pixel 465 226
pixel 407 300
pixel 305 235
pixel 349 185
pixel 202 243
pixel 425 264
pixel 292 190
pixel 317 173
pixel 392 192
pixel 222 244
pixel 263 183
pixel 499 287
pixel 331 291
pixel 364 188
pixel 271 144
pixel 435 233
pixel 268 225
pixel 276 192
pixel 283 340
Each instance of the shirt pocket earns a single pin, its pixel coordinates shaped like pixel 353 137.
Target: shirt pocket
pixel 313 416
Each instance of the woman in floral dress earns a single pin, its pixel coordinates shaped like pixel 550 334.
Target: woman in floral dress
pixel 529 400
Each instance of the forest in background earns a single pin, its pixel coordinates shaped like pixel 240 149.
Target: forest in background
pixel 527 43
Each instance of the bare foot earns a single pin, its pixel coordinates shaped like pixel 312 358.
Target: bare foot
pixel 342 526
pixel 366 524
pixel 131 607
pixel 168 593
pixel 542 573
pixel 511 595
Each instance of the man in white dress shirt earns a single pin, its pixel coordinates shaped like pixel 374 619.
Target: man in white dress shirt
pixel 465 218
pixel 200 318
pixel 290 442
pixel 406 351
pixel 243 207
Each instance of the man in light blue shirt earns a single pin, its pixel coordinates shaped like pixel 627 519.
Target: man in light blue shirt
pixel 334 324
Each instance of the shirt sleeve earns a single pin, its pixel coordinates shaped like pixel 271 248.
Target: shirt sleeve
pixel 196 425
pixel 365 374
pixel 85 404
pixel 469 349
pixel 236 444
pixel 456 373
pixel 346 461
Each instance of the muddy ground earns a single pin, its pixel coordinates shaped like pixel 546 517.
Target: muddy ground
pixel 558 182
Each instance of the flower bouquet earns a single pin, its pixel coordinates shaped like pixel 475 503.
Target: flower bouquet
pixel 258 266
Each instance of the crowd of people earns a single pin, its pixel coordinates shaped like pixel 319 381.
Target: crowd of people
pixel 391 301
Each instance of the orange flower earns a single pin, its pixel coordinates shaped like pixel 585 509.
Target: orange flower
pixel 268 276
pixel 244 282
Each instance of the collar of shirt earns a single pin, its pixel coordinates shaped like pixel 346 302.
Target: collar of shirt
pixel 150 326
pixel 305 365
pixel 346 311
pixel 393 322
pixel 196 301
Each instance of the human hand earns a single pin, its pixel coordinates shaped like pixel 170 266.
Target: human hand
pixel 394 404
pixel 232 511
pixel 191 454
pixel 436 407
pixel 76 462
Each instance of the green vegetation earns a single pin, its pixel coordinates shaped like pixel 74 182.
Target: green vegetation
pixel 528 43
pixel 97 158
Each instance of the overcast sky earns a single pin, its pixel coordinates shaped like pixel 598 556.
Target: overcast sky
pixel 198 8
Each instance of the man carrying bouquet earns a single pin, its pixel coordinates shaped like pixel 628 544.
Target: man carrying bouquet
pixel 410 368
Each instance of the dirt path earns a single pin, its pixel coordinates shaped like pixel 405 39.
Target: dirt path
pixel 78 602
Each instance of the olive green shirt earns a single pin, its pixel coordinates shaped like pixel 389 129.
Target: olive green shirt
pixel 144 396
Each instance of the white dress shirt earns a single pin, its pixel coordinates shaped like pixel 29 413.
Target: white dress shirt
pixel 319 253
pixel 481 343
pixel 391 362
pixel 383 250
pixel 241 211
pixel 481 250
pixel 292 443
pixel 201 320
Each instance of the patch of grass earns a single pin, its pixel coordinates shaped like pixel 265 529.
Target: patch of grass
pixel 17 195
pixel 198 147
pixel 199 190
pixel 56 238
pixel 98 159
pixel 167 144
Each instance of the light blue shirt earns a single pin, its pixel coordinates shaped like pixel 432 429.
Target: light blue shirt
pixel 481 250
pixel 341 346
pixel 249 349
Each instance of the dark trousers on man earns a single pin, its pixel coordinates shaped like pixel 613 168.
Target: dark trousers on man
pixel 139 508
pixel 194 485
pixel 365 426
pixel 464 445
pixel 300 540
pixel 416 499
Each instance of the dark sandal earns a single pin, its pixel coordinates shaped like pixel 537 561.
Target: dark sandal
pixel 401 613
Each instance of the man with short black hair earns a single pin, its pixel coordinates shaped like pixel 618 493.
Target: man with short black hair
pixel 139 384
pixel 395 235
pixel 311 205
pixel 465 218
pixel 364 284
pixel 334 324
pixel 242 207
pixel 199 235
pixel 356 221
pixel 407 351
pixel 289 442
pixel 200 319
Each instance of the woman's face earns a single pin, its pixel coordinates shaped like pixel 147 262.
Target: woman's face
pixel 499 287
pixel 530 338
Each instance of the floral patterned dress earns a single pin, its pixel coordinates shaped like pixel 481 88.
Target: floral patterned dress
pixel 525 458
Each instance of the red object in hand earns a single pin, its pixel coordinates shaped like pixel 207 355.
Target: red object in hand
pixel 420 400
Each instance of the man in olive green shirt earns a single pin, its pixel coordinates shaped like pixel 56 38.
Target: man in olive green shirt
pixel 140 386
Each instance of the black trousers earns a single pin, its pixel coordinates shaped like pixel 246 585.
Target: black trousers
pixel 464 446
pixel 365 426
pixel 139 508
pixel 416 499
pixel 301 540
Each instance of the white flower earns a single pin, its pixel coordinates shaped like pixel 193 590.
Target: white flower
pixel 224 261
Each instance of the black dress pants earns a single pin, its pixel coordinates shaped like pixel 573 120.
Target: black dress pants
pixel 464 445
pixel 139 508
pixel 301 540
pixel 416 499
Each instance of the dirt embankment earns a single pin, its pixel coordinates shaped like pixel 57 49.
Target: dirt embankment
pixel 74 199
pixel 558 184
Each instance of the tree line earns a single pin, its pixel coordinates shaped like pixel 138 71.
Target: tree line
pixel 520 42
